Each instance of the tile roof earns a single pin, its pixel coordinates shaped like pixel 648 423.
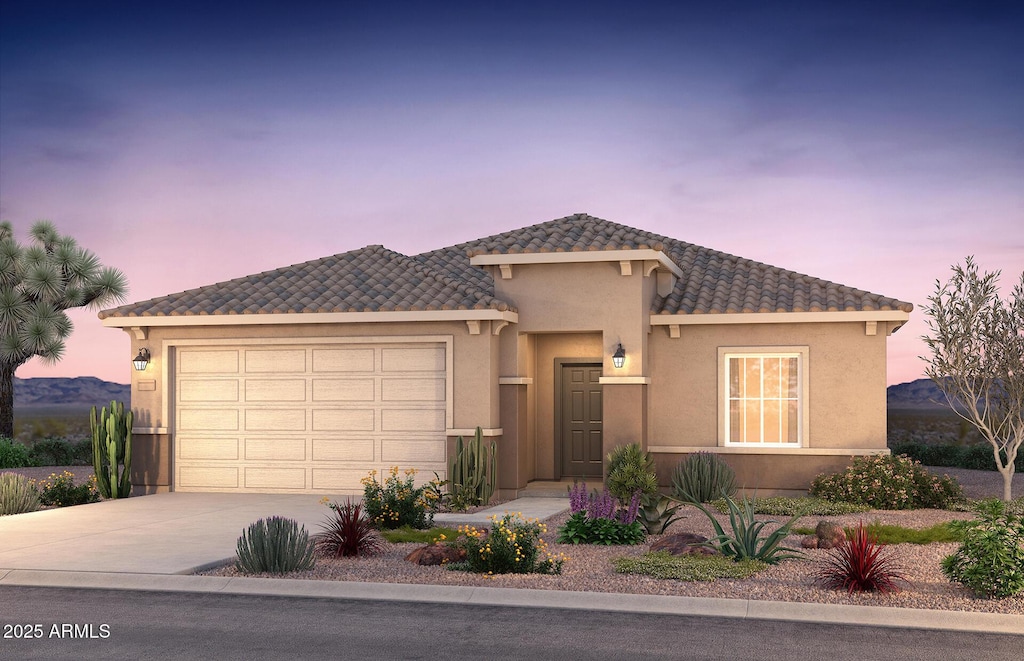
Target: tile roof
pixel 377 279
pixel 372 279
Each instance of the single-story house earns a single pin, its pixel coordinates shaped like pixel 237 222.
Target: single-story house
pixel 560 340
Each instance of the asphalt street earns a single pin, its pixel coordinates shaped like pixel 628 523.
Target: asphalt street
pixel 62 623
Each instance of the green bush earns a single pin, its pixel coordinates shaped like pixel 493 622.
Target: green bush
pixel 398 501
pixel 703 477
pixel 513 546
pixel 13 454
pixel 17 494
pixel 990 561
pixel 581 529
pixel 888 482
pixel 51 452
pixel 630 469
pixel 275 546
pixel 977 456
pixel 783 506
pixel 61 490
pixel 746 542
pixel 408 534
pixel 687 567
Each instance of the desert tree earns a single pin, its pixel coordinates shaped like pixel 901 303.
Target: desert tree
pixel 38 282
pixel 977 358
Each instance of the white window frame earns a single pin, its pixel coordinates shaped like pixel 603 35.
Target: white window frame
pixel 724 354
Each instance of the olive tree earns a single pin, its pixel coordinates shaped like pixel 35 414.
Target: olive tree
pixel 977 358
pixel 38 282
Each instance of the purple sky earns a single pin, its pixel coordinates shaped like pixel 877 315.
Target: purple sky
pixel 874 145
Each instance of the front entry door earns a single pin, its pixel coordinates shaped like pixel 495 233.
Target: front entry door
pixel 581 440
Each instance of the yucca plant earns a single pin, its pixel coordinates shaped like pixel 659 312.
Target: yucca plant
pixel 275 546
pixel 348 533
pixel 860 565
pixel 703 477
pixel 746 542
pixel 630 469
pixel 17 494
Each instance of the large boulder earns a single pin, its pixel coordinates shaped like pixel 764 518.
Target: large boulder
pixel 827 535
pixel 684 543
pixel 436 554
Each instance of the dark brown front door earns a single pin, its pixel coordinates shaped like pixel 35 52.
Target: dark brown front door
pixel 580 431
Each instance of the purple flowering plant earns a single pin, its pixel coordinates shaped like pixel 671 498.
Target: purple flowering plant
pixel 599 518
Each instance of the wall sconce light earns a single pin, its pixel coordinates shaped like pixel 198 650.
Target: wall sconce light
pixel 619 357
pixel 142 360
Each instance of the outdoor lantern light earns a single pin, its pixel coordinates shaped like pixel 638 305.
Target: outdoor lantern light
pixel 619 357
pixel 142 360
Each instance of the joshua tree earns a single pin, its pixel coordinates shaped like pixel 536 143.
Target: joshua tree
pixel 37 284
pixel 977 361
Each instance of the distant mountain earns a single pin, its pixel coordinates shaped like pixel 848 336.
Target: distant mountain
pixel 82 391
pixel 919 394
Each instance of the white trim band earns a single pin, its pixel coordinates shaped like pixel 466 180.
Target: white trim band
pixel 837 316
pixel 575 257
pixel 310 318
pixel 753 448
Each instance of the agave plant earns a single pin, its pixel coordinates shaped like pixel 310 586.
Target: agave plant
pixel 657 513
pixel 746 542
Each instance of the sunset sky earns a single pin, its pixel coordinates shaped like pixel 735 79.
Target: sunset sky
pixel 874 144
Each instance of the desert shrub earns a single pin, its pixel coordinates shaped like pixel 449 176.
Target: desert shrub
pixel 348 533
pixel 51 452
pixel 990 560
pixel 977 456
pixel 746 541
pixel 513 546
pixel 13 454
pixel 891 534
pixel 888 482
pixel 630 469
pixel 703 477
pixel 860 565
pixel 17 494
pixel 81 452
pixel 783 506
pixel 398 501
pixel 60 490
pixel 687 567
pixel 599 519
pixel 276 546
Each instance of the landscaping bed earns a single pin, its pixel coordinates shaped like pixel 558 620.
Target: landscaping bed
pixel 590 569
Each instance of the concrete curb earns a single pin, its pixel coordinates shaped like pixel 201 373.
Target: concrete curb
pixel 599 601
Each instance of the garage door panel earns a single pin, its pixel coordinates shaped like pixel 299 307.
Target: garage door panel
pixel 412 390
pixel 275 420
pixel 208 477
pixel 208 390
pixel 344 390
pixel 275 360
pixel 208 419
pixel 343 449
pixel 344 360
pixel 190 447
pixel 275 478
pixel 291 419
pixel 343 419
pixel 208 362
pixel 412 359
pixel 412 420
pixel 338 479
pixel 405 451
pixel 275 390
pixel 275 449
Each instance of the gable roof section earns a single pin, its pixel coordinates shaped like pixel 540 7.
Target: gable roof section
pixel 713 282
pixel 372 279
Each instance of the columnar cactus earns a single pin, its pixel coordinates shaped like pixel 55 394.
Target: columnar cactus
pixel 474 468
pixel 111 449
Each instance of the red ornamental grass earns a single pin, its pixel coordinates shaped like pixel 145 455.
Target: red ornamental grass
pixel 860 565
pixel 348 533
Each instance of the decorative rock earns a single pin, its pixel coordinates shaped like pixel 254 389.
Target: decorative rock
pixel 829 535
pixel 436 554
pixel 683 543
pixel 809 542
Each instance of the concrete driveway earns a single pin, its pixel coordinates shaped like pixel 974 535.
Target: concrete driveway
pixel 173 533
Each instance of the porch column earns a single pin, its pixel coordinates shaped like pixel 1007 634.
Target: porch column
pixel 625 411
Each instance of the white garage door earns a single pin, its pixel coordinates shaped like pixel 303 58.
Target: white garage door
pixel 306 419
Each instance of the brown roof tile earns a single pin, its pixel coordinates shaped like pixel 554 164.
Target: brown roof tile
pixel 372 279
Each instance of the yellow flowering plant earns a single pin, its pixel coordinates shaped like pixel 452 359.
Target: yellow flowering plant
pixel 513 546
pixel 61 490
pixel 397 501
